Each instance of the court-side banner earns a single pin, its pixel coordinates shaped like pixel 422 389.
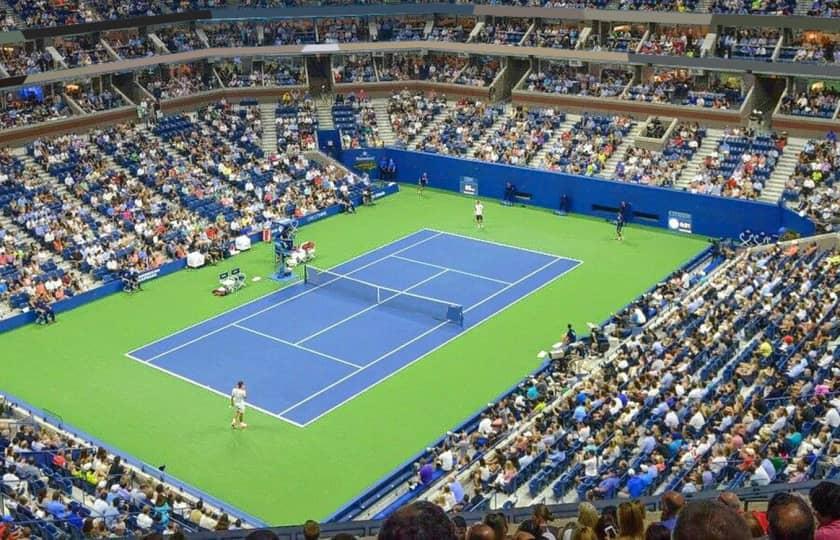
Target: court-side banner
pixel 679 221
pixel 469 185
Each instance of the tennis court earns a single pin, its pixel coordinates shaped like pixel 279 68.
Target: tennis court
pixel 308 348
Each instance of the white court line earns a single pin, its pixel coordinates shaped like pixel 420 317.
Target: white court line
pixel 538 252
pixel 211 389
pixel 296 346
pixel 260 312
pixel 263 297
pixel 376 305
pixel 479 276
pixel 433 329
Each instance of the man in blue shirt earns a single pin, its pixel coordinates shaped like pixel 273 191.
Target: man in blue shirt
pixel 580 413
pixel 607 488
pixel 637 484
pixel 55 507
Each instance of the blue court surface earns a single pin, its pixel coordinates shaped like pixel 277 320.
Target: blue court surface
pixel 309 348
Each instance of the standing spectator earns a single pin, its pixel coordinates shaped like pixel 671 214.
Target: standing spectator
pixel 790 518
pixel 671 503
pixel 657 531
pixel 311 530
pixel 631 521
pixel 710 520
pixel 420 520
pixel 825 500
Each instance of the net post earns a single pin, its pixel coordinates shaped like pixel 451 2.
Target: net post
pixel 306 273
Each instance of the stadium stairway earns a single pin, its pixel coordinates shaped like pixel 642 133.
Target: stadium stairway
pixel 628 142
pixel 507 111
pixel 383 122
pixel 784 169
pixel 269 127
pixel 710 143
pixel 316 156
pixel 325 119
pixel 7 10
pixel 539 158
pixel 431 125
pixel 58 187
pixel 157 198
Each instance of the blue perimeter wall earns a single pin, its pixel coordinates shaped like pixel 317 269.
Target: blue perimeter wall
pixel 716 217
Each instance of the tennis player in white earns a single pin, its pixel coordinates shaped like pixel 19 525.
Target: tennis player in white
pixel 479 214
pixel 237 401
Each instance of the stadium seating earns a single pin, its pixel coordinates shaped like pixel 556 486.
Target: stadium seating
pixel 816 102
pixel 585 148
pixel 460 128
pixel 429 68
pixel 663 168
pixel 747 43
pixel 410 113
pixel 58 486
pixel 81 50
pixel 33 110
pixel 757 379
pixel 741 165
pixel 556 36
pixel 813 186
pixel 520 136
pixel 557 79
pixel 179 39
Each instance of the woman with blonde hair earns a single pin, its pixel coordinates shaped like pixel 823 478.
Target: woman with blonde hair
pixel 587 518
pixel 631 521
pixel 585 533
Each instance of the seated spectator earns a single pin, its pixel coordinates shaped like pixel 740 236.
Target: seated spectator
pixel 812 48
pixel 410 113
pixel 179 39
pixel 234 34
pixel 740 166
pixel 79 51
pixel 453 29
pixel 433 68
pixel 131 45
pixel 673 42
pixel 32 110
pixel 509 32
pixel 760 7
pixel 813 183
pixel 460 128
pixel 819 102
pixel 354 68
pixel 825 500
pixel 553 36
pixel 481 71
pixel 586 147
pixel 347 30
pixel 710 520
pixel 750 43
pixel 559 79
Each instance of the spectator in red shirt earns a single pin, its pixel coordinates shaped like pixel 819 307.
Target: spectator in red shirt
pixel 825 500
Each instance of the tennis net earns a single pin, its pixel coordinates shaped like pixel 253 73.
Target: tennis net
pixel 376 294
